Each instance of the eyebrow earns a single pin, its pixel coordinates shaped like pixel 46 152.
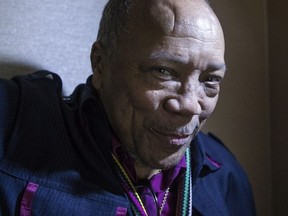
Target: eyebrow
pixel 162 55
pixel 216 67
pixel 168 57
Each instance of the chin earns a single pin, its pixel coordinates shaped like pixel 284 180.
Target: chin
pixel 170 162
pixel 158 158
pixel 167 161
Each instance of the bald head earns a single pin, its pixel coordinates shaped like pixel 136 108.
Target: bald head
pixel 121 17
pixel 171 17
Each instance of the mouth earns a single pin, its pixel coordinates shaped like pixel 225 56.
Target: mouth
pixel 177 139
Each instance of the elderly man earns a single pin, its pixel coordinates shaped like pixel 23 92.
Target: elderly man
pixel 127 142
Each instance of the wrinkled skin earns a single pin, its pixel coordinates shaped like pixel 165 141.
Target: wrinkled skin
pixel 164 81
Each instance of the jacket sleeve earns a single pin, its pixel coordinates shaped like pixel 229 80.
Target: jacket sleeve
pixel 9 100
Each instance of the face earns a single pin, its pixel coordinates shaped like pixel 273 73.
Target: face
pixel 164 81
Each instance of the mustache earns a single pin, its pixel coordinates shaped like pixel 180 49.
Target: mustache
pixel 190 129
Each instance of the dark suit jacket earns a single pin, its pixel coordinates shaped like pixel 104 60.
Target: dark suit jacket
pixel 55 157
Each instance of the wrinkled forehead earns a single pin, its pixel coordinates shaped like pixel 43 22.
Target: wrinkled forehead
pixel 174 17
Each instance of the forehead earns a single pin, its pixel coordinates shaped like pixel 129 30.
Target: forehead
pixel 178 29
pixel 172 17
pixel 180 18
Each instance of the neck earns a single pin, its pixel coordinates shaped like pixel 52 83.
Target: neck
pixel 145 172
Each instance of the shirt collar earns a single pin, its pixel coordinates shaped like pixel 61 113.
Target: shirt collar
pixel 159 181
pixel 202 163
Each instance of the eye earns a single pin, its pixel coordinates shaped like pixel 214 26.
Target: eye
pixel 211 84
pixel 211 80
pixel 163 71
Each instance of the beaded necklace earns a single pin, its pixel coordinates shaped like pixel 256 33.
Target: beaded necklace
pixel 184 202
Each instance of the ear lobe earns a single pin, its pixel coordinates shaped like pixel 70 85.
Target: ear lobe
pixel 97 79
pixel 97 64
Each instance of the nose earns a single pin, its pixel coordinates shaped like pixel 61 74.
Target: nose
pixel 187 104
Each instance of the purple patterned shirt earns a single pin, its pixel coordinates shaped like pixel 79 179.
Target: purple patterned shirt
pixel 159 182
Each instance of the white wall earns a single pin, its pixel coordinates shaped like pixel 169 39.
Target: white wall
pixel 48 34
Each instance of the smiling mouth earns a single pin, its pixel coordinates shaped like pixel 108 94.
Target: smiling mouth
pixel 173 138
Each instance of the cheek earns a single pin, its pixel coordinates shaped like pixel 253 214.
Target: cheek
pixel 115 98
pixel 128 104
pixel 151 100
pixel 208 106
pixel 144 99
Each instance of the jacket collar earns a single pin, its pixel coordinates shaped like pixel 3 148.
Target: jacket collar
pixel 203 162
pixel 205 193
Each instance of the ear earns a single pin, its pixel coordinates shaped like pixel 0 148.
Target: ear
pixel 97 57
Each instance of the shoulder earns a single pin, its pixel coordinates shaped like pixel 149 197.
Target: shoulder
pixel 28 85
pixel 216 150
pixel 213 146
pixel 23 91
pixel 229 181
pixel 9 100
pixel 41 80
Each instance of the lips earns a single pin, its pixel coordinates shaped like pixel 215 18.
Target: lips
pixel 172 138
